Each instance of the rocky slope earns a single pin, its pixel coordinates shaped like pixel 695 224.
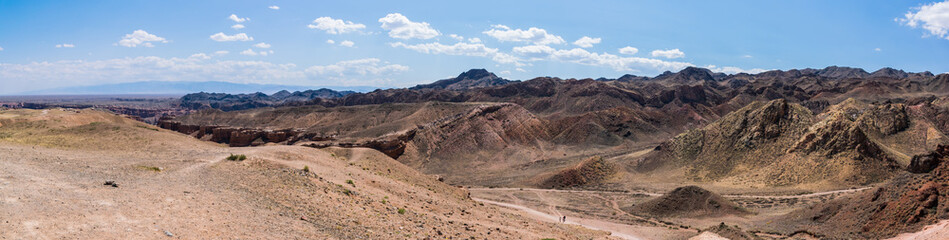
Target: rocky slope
pixel 780 143
pixel 903 204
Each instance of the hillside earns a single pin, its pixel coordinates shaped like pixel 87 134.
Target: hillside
pixel 779 143
pixel 171 184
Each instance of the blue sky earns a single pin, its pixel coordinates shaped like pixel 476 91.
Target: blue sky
pixel 48 44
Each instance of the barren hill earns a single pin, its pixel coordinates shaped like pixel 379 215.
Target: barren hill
pixel 781 143
pixel 162 183
pixel 688 201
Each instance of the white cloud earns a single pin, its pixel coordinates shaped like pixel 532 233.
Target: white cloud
pixel 670 54
pixel 201 56
pixel 358 67
pixel 628 50
pixel 461 48
pixel 456 37
pixel 335 26
pixel 238 26
pixel 221 37
pixel 586 42
pixel 932 17
pixel 584 57
pixel 532 35
pixel 262 45
pixel 274 7
pixel 520 70
pixel 221 52
pixel 40 75
pixel 251 52
pixel 508 59
pixel 877 50
pixel 401 27
pixel 747 56
pixel 474 40
pixel 330 41
pixel 734 70
pixel 234 18
pixel 140 37
pixel 65 45
pixel 347 43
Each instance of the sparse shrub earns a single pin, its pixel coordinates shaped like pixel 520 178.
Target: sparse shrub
pixel 401 210
pixel 237 157
pixel 347 192
pixel 350 182
pixel 155 169
pixel 306 168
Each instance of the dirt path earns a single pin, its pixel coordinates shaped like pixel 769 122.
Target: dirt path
pixel 623 231
pixel 652 194
pixel 809 195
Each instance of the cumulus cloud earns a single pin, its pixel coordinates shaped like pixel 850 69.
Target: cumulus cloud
pixel 532 35
pixel 262 45
pixel 628 50
pixel 65 45
pixel 140 38
pixel 335 26
pixel 586 42
pixel 456 37
pixel 238 26
pixel 234 18
pixel 670 54
pixel 330 41
pixel 221 37
pixel 932 17
pixel 39 75
pixel 251 52
pixel 461 48
pixel 734 70
pixel 402 28
pixel 347 43
pixel 274 7
pixel 359 67
pixel 584 57
pixel 201 56
pixel 474 40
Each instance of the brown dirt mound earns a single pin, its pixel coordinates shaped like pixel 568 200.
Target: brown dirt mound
pixel 689 201
pixel 590 171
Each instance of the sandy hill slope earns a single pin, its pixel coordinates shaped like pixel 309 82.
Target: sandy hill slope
pixel 55 163
pixel 780 143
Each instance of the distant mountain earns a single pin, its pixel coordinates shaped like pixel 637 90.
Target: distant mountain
pixel 165 87
pixel 227 102
pixel 474 78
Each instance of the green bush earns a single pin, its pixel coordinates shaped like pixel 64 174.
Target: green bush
pixel 306 168
pixel 401 210
pixel 350 182
pixel 238 157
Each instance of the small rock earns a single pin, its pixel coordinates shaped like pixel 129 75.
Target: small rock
pixel 303 218
pixel 167 233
